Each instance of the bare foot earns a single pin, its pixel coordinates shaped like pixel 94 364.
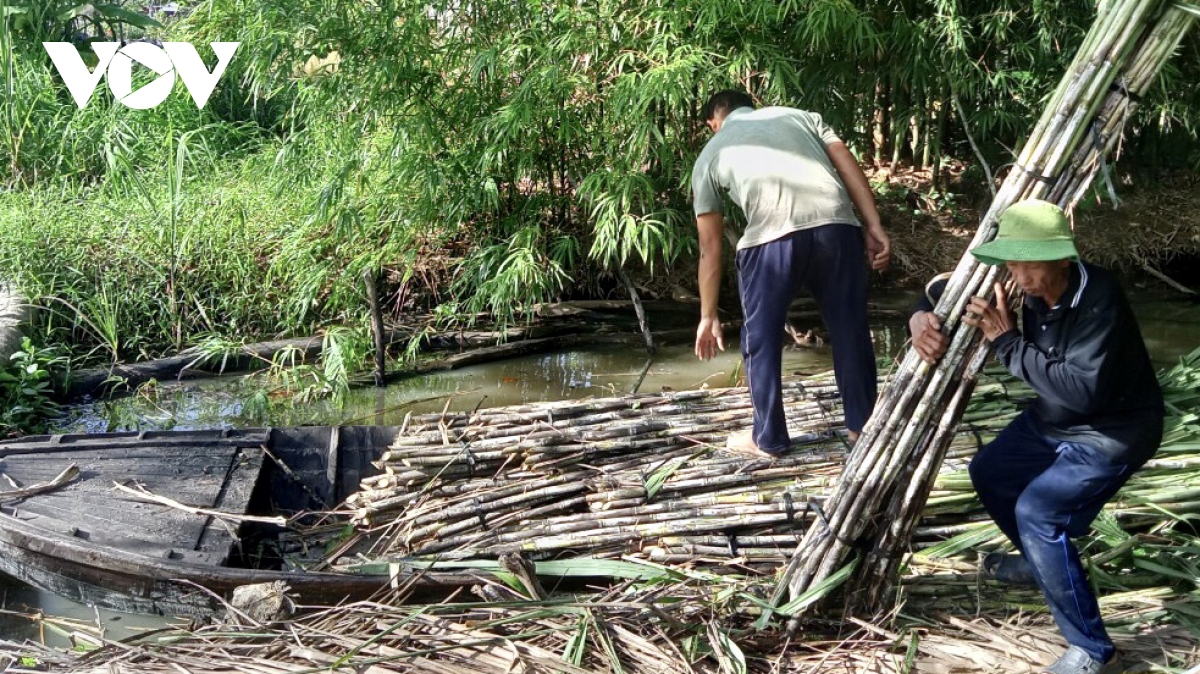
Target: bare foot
pixel 742 442
pixel 852 436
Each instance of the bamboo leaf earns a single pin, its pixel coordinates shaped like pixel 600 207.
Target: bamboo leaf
pixel 118 13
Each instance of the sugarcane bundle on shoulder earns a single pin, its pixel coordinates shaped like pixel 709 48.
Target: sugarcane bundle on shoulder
pixel 883 488
pixel 1097 418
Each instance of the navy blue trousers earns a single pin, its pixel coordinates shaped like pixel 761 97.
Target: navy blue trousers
pixel 829 261
pixel 1042 493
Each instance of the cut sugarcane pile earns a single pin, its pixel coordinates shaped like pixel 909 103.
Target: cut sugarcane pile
pixel 647 477
pixel 608 475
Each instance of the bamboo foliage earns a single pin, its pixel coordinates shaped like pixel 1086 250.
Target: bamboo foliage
pixel 493 154
pixel 553 141
pixel 915 417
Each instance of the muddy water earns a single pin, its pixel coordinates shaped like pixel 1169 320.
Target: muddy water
pixel 30 614
pixel 217 403
pixel 1171 327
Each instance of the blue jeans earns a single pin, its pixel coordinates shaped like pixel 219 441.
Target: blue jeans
pixel 828 260
pixel 1041 493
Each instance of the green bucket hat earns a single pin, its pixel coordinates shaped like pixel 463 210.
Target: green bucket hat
pixel 1029 231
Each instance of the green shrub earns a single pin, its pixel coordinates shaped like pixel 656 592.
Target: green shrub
pixel 27 390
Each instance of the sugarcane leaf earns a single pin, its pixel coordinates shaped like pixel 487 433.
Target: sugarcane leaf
pixel 1186 608
pixel 729 656
pixel 606 644
pixel 974 537
pixel 1109 530
pixel 910 654
pixel 725 594
pixel 757 601
pixel 375 638
pixel 695 647
pixel 510 579
pixel 659 477
pixel 1178 517
pixel 820 590
pixel 1163 570
pixel 577 645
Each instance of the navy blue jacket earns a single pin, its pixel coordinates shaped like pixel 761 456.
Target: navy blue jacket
pixel 1086 360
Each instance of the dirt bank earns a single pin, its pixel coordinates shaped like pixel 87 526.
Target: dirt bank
pixel 1154 230
pixel 1156 225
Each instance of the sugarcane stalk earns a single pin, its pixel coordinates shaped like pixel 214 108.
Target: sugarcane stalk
pixel 898 437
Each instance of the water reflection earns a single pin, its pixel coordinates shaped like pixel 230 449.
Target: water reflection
pixel 223 402
pixel 33 615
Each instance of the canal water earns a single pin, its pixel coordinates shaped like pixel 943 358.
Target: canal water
pixel 1171 326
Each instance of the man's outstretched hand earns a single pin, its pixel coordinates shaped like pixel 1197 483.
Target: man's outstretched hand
pixel 709 338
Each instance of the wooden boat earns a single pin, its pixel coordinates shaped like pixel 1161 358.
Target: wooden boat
pixel 95 543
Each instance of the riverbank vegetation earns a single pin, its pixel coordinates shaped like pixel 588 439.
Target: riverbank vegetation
pixel 482 158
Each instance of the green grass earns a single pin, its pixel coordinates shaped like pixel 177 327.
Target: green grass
pixel 125 276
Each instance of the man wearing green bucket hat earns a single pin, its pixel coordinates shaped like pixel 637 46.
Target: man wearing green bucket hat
pixel 1097 417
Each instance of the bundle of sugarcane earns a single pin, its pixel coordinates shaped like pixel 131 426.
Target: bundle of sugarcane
pixel 555 436
pixel 589 474
pixel 883 488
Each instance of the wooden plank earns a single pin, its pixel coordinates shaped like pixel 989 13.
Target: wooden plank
pixel 146 452
pixel 331 465
pixel 218 578
pixel 114 512
pixel 147 585
pixel 233 497
pixel 194 488
pixel 106 523
pixel 109 441
pixel 194 476
pixel 154 549
pixel 145 461
pixel 359 448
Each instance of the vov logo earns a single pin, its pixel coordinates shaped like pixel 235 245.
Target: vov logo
pixel 116 62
